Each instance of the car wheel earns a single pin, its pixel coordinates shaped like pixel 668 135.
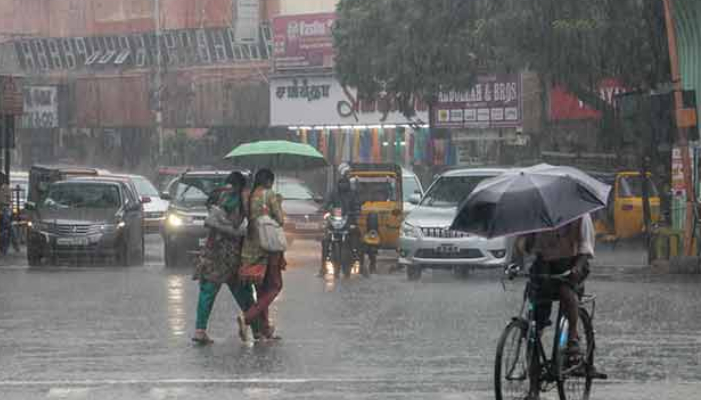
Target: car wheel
pixel 170 254
pixel 413 272
pixel 122 251
pixel 33 257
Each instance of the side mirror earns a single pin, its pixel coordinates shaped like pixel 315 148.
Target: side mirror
pixel 145 200
pixel 166 196
pixel 30 206
pixel 133 207
pixel 415 199
pixel 318 199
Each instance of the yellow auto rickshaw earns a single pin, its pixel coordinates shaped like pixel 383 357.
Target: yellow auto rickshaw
pixel 623 216
pixel 379 188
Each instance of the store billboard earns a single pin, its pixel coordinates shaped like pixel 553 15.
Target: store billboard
pixel 565 106
pixel 40 107
pixel 303 41
pixel 493 102
pixel 322 101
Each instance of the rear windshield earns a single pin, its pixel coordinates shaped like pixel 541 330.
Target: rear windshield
pixel 632 186
pixel 377 189
pixel 82 195
pixel 449 191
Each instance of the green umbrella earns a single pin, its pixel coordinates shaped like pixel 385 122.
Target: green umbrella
pixel 277 155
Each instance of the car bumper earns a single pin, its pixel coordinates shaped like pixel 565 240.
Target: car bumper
pixel 427 253
pixel 187 238
pixel 47 244
pixel 153 225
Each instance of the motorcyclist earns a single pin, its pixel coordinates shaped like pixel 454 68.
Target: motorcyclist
pixel 345 196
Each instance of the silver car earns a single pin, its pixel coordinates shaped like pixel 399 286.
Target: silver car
pixel 427 242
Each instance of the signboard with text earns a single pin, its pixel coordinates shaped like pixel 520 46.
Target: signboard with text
pixel 566 106
pixel 321 100
pixel 493 102
pixel 303 41
pixel 40 107
pixel 10 96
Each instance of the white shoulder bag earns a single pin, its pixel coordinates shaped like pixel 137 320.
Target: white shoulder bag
pixel 270 233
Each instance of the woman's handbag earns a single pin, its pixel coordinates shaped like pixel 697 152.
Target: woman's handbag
pixel 270 233
pixel 254 273
pixel 218 220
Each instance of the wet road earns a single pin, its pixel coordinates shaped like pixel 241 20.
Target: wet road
pixel 124 333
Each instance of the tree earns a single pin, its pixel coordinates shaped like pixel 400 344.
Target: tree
pixel 408 48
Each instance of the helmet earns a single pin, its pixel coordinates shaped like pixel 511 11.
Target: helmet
pixel 343 169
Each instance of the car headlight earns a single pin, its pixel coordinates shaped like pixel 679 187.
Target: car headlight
pixel 38 226
pixel 175 220
pixel 498 253
pixel 409 230
pixel 109 228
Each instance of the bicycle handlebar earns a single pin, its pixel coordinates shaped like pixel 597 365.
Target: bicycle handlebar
pixel 514 270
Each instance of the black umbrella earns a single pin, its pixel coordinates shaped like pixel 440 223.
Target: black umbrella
pixel 525 202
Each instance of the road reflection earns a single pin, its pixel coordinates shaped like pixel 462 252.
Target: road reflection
pixel 176 311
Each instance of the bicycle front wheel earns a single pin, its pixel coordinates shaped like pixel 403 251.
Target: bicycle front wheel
pixel 575 381
pixel 511 364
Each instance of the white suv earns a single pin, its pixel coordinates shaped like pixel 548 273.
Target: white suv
pixel 426 240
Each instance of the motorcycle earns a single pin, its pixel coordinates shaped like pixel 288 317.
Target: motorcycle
pixel 338 253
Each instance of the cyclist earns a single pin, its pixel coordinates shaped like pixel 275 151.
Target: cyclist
pixel 568 248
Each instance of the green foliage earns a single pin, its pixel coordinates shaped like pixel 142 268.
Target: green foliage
pixel 420 47
pixel 408 48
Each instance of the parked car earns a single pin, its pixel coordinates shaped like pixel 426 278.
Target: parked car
pixel 411 188
pixel 155 207
pixel 426 240
pixel 183 230
pixel 91 217
pixel 304 218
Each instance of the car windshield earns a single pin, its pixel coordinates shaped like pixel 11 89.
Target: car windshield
pixel 82 195
pixel 294 191
pixel 144 187
pixel 377 189
pixel 410 186
pixel 449 191
pixel 194 191
pixel 632 186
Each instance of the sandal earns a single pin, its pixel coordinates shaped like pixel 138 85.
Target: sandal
pixel 203 340
pixel 243 328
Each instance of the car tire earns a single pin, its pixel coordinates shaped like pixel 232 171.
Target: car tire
pixel 413 272
pixel 33 257
pixel 171 255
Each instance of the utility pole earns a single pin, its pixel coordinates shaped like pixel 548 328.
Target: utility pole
pixel 682 122
pixel 158 77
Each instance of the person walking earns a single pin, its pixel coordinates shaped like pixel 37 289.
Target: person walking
pixel 263 201
pixel 221 259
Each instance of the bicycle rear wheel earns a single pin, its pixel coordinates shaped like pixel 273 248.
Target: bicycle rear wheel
pixel 575 381
pixel 511 364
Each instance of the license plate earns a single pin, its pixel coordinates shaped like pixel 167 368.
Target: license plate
pixel 307 226
pixel 77 241
pixel 202 242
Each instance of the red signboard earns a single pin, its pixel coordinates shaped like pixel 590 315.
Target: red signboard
pixel 566 106
pixel 303 41
pixel 493 102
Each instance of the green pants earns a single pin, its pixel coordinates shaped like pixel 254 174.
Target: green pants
pixel 243 294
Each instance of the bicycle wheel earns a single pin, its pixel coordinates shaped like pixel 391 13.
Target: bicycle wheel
pixel 575 382
pixel 511 365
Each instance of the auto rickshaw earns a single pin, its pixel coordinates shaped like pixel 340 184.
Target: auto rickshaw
pixel 623 216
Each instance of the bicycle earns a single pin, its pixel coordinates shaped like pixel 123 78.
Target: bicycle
pixel 525 368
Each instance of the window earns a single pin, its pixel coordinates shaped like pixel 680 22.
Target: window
pixel 632 186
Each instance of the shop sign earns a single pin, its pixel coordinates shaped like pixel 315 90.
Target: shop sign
pixel 678 182
pixel 185 47
pixel 10 96
pixel 493 102
pixel 566 106
pixel 314 101
pixel 40 107
pixel 303 41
